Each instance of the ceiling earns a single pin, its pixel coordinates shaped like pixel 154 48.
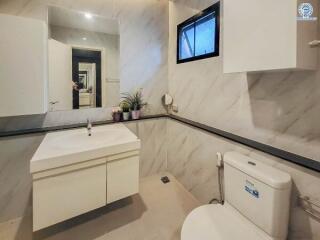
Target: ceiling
pixel 81 20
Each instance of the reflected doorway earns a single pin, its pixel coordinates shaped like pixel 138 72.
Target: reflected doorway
pixel 86 75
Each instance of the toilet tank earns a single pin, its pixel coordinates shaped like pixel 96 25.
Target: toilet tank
pixel 259 192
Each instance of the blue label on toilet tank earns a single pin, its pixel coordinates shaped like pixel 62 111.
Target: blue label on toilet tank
pixel 250 188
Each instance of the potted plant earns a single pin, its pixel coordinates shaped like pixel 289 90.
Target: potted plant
pixel 125 110
pixel 116 114
pixel 136 103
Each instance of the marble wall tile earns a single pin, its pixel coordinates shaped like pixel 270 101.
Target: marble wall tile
pixel 144 46
pixel 143 52
pixel 192 160
pixel 112 92
pixel 279 109
pixel 16 152
pixel 15 179
pixel 195 4
pixel 153 155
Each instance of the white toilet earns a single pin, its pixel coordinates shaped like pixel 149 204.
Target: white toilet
pixel 257 201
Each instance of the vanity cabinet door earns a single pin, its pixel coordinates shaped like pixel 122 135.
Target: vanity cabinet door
pixel 63 193
pixel 122 178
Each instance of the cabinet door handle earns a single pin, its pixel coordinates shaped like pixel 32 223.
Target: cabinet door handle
pixel 314 43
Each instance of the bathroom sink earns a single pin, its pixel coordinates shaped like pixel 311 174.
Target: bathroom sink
pixel 72 146
pixel 81 139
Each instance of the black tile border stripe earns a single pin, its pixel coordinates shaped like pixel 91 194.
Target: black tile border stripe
pixel 291 157
pixel 71 126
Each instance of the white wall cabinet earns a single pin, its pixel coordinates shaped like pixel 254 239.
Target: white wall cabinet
pixel 267 35
pixel 23 66
pixel 65 192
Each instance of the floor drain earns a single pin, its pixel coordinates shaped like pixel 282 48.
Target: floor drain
pixel 165 179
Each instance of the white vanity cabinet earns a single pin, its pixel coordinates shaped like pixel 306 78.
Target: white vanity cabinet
pixel 70 179
pixel 23 66
pixel 122 176
pixel 268 35
pixel 62 193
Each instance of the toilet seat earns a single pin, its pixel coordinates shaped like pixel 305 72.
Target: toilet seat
pixel 220 222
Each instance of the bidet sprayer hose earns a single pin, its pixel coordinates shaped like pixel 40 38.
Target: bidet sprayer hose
pixel 220 180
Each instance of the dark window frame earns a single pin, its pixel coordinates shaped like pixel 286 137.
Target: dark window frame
pixel 215 9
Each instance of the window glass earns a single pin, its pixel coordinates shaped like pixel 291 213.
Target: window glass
pixel 187 42
pixel 205 35
pixel 198 37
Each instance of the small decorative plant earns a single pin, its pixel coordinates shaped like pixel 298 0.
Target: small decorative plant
pixel 125 110
pixel 135 101
pixel 125 106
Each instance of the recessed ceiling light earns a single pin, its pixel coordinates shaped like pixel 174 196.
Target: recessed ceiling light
pixel 88 15
pixel 84 38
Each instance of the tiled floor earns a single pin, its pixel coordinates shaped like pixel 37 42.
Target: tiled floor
pixel 157 213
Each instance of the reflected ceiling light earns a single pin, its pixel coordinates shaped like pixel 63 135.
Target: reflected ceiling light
pixel 84 38
pixel 88 15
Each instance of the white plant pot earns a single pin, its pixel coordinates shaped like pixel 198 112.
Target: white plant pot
pixel 126 116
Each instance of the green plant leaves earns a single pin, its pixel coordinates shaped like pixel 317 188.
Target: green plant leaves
pixel 134 101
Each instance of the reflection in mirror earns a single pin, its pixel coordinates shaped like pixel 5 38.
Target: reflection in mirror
pixel 83 60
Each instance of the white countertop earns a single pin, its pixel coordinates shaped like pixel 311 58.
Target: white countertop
pixel 73 146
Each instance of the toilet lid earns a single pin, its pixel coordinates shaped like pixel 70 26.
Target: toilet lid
pixel 219 222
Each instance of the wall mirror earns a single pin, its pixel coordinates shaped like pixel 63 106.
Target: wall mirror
pixel 83 61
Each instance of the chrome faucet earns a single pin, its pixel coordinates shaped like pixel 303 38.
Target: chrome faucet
pixel 89 127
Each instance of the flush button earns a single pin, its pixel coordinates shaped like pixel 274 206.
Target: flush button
pixel 252 163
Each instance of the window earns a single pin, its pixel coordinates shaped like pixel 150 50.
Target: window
pixel 198 37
